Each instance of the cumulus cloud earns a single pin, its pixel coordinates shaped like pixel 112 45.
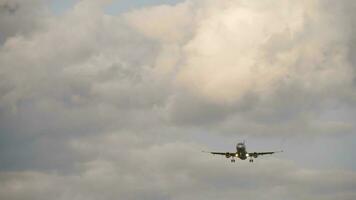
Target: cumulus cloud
pixel 20 17
pixel 99 106
pixel 244 49
pixel 270 60
pixel 177 171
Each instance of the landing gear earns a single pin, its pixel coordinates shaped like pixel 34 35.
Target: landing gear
pixel 251 160
pixel 232 160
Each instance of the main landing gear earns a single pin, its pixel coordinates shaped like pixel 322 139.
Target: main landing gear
pixel 251 160
pixel 232 160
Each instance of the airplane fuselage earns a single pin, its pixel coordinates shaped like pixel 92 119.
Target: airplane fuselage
pixel 241 151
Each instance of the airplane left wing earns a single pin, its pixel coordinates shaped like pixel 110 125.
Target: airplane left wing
pixel 255 154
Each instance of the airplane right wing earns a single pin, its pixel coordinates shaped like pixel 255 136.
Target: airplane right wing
pixel 226 154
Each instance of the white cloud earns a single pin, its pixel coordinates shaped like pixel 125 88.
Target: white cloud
pixel 245 48
pixel 155 77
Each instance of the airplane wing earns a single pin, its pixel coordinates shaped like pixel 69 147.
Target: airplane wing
pixel 226 154
pixel 255 154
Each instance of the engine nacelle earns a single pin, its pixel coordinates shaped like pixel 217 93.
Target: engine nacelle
pixel 255 155
pixel 227 155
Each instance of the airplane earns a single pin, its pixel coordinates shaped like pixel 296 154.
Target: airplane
pixel 241 153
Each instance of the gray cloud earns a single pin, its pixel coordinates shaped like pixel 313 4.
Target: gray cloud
pixel 98 106
pixel 177 171
pixel 18 17
pixel 74 79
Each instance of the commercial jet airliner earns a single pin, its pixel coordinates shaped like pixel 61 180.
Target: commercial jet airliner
pixel 241 153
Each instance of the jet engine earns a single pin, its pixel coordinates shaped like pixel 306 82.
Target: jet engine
pixel 255 155
pixel 227 155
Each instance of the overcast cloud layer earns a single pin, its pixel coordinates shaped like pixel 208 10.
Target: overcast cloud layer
pixel 99 106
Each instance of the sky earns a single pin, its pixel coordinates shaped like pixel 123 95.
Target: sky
pixel 117 99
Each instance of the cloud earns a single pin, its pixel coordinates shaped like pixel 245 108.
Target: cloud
pixel 244 49
pixel 99 106
pixel 177 171
pixel 228 62
pixel 288 61
pixel 174 21
pixel 21 17
pixel 85 73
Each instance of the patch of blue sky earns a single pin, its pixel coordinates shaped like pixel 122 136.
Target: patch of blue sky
pixel 114 8
pixel 60 6
pixel 121 6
